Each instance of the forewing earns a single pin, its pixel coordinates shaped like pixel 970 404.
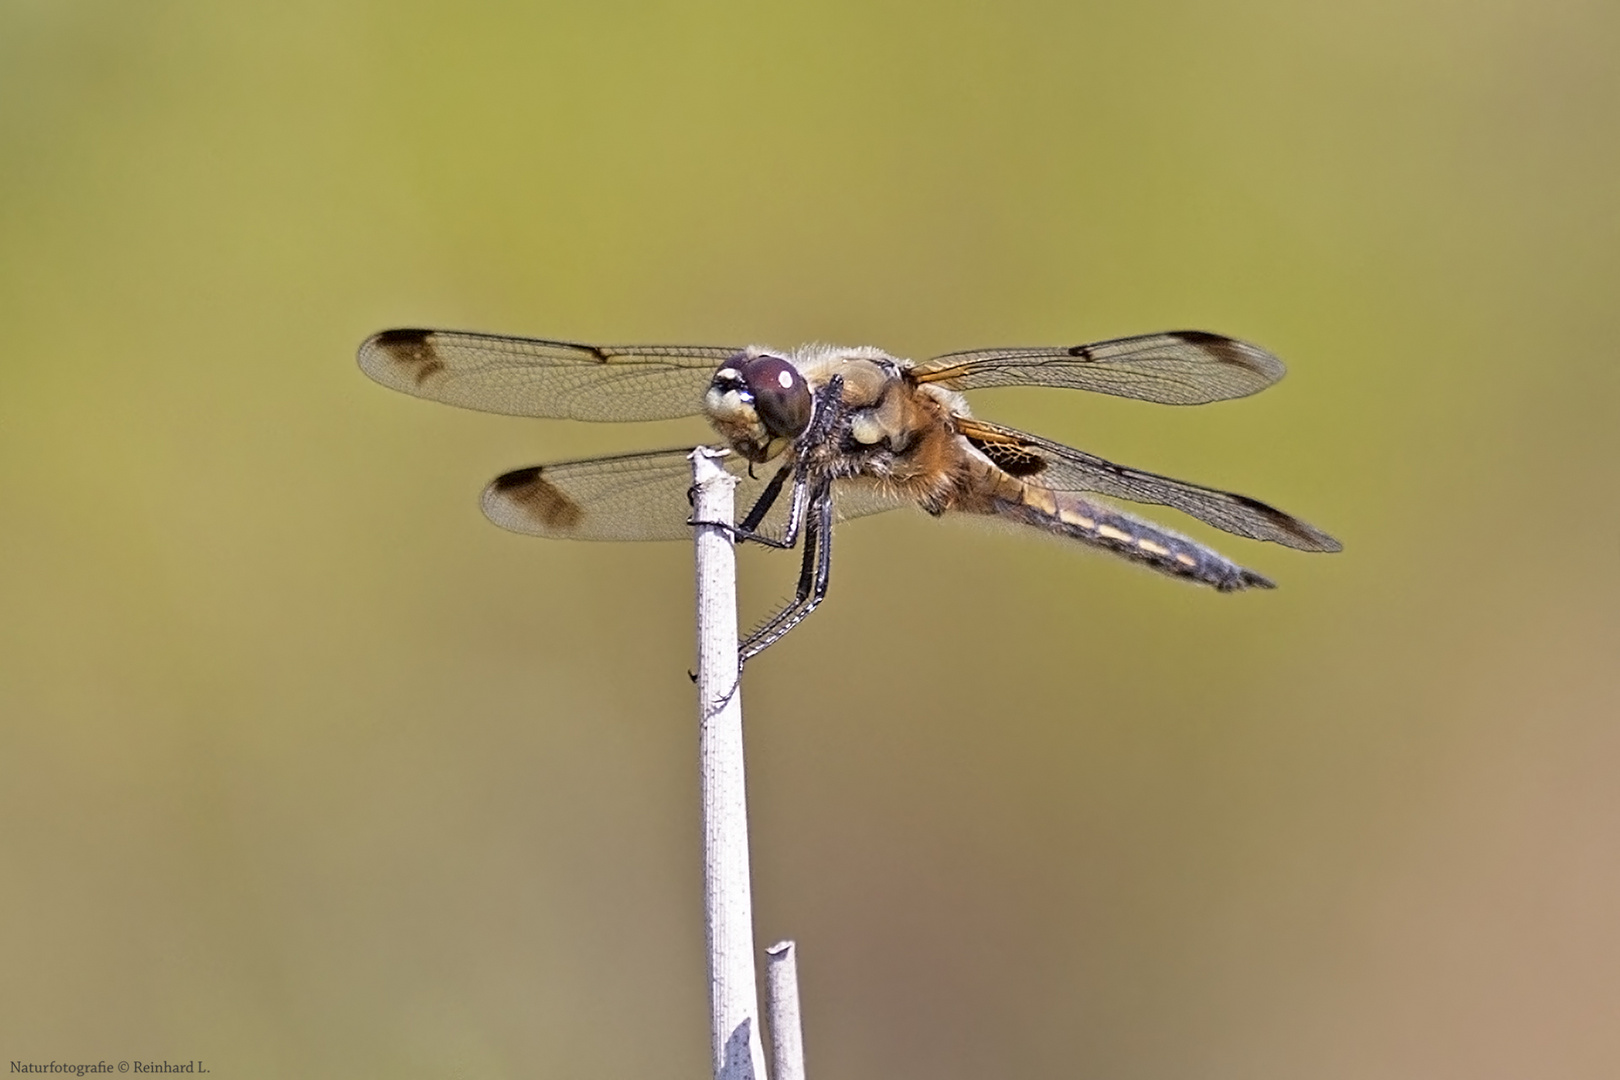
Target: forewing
pixel 640 496
pixel 1063 468
pixel 535 377
pixel 1182 367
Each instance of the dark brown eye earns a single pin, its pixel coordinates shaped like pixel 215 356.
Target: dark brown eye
pixel 781 397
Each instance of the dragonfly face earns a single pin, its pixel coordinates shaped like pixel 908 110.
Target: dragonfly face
pixel 845 432
pixel 759 402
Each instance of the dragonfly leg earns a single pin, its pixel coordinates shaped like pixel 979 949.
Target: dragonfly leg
pixel 814 573
pixel 766 632
pixel 748 528
pixel 766 500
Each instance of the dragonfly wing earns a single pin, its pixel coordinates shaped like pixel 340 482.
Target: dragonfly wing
pixel 641 496
pixel 1062 468
pixel 1182 367
pixel 535 377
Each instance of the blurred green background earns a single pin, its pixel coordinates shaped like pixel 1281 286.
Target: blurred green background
pixel 311 771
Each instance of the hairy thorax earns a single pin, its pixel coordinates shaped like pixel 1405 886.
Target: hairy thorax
pixel 892 429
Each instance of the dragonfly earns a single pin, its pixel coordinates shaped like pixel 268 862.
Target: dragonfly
pixel 825 433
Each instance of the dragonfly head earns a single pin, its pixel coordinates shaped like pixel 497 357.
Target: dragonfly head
pixel 759 402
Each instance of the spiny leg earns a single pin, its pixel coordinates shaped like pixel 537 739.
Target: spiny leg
pixel 814 574
pixel 806 583
pixel 813 580
pixel 766 500
pixel 748 527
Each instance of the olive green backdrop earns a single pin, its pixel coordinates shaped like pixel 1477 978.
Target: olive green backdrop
pixel 310 771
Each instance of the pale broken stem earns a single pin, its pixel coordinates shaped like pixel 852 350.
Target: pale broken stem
pixel 727 897
pixel 782 989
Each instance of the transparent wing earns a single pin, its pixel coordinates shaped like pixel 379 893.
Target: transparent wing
pixel 641 497
pixel 534 377
pixel 1063 468
pixel 1182 367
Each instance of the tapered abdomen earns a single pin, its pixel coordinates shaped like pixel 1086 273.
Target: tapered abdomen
pixel 1068 514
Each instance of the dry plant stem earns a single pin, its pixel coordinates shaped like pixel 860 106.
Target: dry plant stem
pixel 727 897
pixel 782 988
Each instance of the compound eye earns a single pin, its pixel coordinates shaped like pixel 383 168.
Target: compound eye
pixel 781 396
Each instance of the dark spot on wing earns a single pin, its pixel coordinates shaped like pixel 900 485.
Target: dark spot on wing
pixel 1200 337
pixel 1012 458
pixel 517 478
pixel 411 349
pixel 1224 349
pixel 1309 537
pixel 390 339
pixel 539 497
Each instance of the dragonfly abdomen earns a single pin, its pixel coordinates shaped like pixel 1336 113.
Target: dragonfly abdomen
pixel 1078 518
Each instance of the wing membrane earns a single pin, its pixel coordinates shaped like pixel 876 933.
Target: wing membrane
pixel 534 377
pixel 1063 468
pixel 1182 367
pixel 640 496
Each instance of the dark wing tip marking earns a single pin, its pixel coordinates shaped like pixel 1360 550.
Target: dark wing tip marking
pixel 408 349
pixel 1306 537
pixel 390 339
pixel 1234 352
pixel 1199 337
pixel 515 479
pixel 530 492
